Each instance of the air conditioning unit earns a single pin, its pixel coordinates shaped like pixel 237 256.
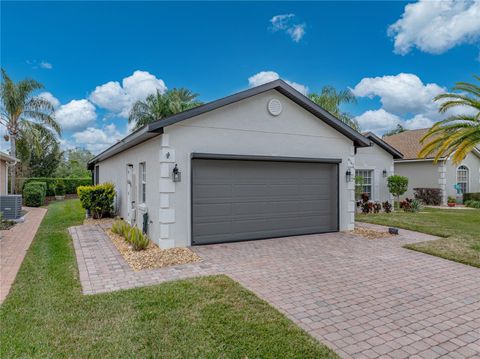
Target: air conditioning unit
pixel 11 206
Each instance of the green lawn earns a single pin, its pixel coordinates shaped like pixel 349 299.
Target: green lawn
pixel 46 316
pixel 460 230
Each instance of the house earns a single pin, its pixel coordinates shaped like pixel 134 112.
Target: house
pixel 425 173
pixel 375 164
pixel 263 163
pixel 5 161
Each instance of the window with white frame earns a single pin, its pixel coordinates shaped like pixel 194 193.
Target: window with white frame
pixel 142 173
pixel 462 178
pixel 367 181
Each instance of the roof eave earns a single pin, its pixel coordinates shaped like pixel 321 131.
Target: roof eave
pixel 390 149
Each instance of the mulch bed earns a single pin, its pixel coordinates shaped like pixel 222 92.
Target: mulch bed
pixel 150 258
pixel 371 233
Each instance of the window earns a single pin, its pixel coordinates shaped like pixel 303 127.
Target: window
pixel 366 186
pixel 462 178
pixel 96 179
pixel 142 172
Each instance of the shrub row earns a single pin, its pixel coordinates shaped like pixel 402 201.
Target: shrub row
pixel 132 235
pixel 472 196
pixel 429 196
pixel 34 194
pixel 70 184
pixel 98 200
pixel 472 203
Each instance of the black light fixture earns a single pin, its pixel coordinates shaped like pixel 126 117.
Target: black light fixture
pixel 177 175
pixel 384 173
pixel 348 175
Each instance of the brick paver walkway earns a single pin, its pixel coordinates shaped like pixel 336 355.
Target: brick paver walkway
pixel 363 298
pixel 14 244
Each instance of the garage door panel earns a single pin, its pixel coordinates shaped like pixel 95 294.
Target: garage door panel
pixel 238 200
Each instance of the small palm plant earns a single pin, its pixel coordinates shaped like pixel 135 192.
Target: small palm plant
pixel 458 134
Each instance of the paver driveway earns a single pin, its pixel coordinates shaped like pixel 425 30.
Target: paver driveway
pixel 363 298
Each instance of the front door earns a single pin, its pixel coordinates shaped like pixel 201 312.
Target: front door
pixel 130 200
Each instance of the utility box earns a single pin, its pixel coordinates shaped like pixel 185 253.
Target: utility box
pixel 11 206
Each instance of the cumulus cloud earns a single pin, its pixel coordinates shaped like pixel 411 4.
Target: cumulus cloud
pixel 287 24
pixel 436 26
pixel 401 94
pixel 378 121
pixel 50 98
pixel 98 139
pixel 418 121
pixel 76 114
pixel 46 65
pixel 119 98
pixel 268 76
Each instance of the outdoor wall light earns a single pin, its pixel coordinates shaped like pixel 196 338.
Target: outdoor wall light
pixel 348 175
pixel 177 175
pixel 384 173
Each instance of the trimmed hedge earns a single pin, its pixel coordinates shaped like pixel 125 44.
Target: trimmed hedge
pixel 71 184
pixel 429 196
pixel 34 194
pixel 98 199
pixel 472 203
pixel 472 196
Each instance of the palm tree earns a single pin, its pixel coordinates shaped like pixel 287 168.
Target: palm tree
pixel 22 114
pixel 330 100
pixel 158 106
pixel 458 134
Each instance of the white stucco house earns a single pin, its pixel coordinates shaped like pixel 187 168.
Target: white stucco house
pixel 424 173
pixel 5 161
pixel 375 164
pixel 263 163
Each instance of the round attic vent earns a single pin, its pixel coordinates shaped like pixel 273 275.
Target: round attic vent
pixel 274 107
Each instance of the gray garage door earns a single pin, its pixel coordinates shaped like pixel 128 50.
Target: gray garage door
pixel 235 200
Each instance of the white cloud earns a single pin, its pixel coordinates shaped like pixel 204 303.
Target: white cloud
pixel 436 26
pixel 419 121
pixel 401 94
pixel 98 139
pixel 50 98
pixel 76 114
pixel 286 23
pixel 268 76
pixel 378 121
pixel 46 65
pixel 119 98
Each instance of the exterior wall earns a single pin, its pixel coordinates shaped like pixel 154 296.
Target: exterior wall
pixel 473 164
pixel 3 178
pixel 114 169
pixel 246 128
pixel 419 174
pixel 377 159
pixel 242 128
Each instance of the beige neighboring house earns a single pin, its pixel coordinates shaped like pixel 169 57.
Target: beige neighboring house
pixel 424 173
pixel 5 160
pixel 375 164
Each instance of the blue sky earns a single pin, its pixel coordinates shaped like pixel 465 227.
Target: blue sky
pixel 95 59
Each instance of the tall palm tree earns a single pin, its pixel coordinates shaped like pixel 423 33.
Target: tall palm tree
pixel 22 113
pixel 330 100
pixel 158 106
pixel 458 134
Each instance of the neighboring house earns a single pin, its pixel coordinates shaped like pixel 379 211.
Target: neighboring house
pixel 375 164
pixel 423 172
pixel 5 160
pixel 266 162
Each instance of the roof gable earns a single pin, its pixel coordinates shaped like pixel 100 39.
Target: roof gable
pixel 379 142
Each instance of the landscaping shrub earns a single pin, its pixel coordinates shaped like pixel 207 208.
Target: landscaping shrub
pixel 34 194
pixel 60 188
pixel 472 203
pixel 98 200
pixel 411 205
pixel 377 206
pixel 121 228
pixel 475 196
pixel 397 185
pixel 387 207
pixel 137 239
pixel 429 196
pixel 71 184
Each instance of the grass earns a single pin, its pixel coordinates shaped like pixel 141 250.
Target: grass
pixel 46 315
pixel 459 229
